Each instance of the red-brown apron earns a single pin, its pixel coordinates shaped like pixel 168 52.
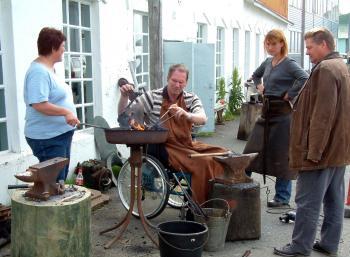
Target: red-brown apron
pixel 179 145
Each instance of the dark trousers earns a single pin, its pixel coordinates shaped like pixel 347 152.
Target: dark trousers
pixel 46 149
pixel 315 189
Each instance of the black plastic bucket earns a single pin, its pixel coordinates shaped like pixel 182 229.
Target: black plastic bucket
pixel 182 238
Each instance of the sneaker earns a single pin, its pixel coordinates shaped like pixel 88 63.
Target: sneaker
pixel 318 248
pixel 276 204
pixel 288 251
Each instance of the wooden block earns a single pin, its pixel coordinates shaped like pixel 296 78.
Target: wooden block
pixel 59 227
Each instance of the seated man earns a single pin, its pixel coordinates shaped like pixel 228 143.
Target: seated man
pixel 182 110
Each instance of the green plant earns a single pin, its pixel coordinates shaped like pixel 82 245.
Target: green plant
pixel 222 89
pixel 228 116
pixel 236 95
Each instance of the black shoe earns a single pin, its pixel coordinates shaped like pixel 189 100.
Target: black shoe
pixel 318 248
pixel 287 251
pixel 275 204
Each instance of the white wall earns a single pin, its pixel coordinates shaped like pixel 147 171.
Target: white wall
pixel 112 46
pixel 180 20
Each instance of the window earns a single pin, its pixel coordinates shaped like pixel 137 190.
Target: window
pixel 247 56
pixel 235 40
pixel 3 121
pixel 257 50
pixel 308 6
pixel 296 3
pixel 220 43
pixel 294 41
pixel 78 57
pixel 201 33
pixel 141 49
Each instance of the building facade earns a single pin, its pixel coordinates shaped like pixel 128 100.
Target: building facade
pixel 102 37
pixel 305 15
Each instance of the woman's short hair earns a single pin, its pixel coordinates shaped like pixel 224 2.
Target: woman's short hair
pixel 49 39
pixel 179 67
pixel 318 35
pixel 277 35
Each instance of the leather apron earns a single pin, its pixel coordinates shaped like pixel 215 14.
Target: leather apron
pixel 179 145
pixel 270 138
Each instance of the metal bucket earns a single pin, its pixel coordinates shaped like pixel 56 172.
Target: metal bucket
pixel 217 222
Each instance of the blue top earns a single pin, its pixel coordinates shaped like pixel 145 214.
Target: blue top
pixel 287 76
pixel 41 85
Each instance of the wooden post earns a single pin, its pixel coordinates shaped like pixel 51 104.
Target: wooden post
pixel 59 227
pixel 155 44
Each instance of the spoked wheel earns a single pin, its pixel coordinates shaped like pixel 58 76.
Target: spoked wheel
pixel 176 195
pixel 154 188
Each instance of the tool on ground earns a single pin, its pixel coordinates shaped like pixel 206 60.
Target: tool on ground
pixel 192 204
pixel 44 175
pixel 288 217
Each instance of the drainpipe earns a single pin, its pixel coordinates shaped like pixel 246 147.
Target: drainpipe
pixel 302 44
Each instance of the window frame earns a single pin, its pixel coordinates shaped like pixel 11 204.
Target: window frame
pixel 235 47
pixel 219 52
pixel 3 87
pixel 141 73
pixel 84 100
pixel 202 33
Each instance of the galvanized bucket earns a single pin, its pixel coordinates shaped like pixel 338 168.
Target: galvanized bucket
pixel 218 212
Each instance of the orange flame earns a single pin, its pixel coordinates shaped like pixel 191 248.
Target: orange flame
pixel 135 125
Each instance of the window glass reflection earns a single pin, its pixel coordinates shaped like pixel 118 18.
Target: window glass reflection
pixel 73 13
pixel 3 136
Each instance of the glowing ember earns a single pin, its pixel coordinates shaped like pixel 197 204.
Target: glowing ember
pixel 135 125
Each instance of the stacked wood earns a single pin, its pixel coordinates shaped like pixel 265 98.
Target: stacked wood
pixel 5 212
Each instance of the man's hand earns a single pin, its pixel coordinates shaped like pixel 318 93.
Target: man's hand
pixel 179 112
pixel 260 88
pixel 126 89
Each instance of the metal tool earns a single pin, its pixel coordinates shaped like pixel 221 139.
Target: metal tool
pixel 93 125
pixel 192 204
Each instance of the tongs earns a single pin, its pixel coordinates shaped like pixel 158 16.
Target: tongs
pixel 192 204
pixel 92 125
pixel 160 121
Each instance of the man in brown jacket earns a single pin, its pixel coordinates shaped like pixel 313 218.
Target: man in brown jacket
pixel 320 148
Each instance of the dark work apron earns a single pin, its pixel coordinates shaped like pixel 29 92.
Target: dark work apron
pixel 270 138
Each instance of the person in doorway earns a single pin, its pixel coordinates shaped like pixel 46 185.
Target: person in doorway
pixel 50 112
pixel 278 79
pixel 319 148
pixel 184 110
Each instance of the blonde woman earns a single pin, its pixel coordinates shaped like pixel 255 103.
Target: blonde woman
pixel 279 79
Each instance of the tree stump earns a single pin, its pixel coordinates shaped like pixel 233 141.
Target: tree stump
pixel 59 227
pixel 249 114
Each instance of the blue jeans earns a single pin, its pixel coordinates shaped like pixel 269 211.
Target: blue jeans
pixel 46 149
pixel 283 189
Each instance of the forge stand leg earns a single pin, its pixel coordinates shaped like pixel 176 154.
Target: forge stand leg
pixel 126 220
pixel 144 220
pixel 135 162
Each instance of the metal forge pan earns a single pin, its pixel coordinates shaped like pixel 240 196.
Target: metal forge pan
pixel 135 137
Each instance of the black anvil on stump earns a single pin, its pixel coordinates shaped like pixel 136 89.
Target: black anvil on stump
pixel 234 168
pixel 44 176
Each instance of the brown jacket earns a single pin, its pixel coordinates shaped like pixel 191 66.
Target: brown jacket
pixel 320 127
